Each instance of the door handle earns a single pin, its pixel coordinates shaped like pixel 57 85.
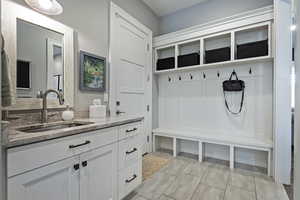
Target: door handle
pixel 130 180
pixel 119 112
pixel 130 152
pixel 79 145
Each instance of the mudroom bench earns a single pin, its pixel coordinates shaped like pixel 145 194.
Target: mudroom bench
pixel 229 140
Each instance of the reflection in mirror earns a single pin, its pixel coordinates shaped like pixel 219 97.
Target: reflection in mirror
pixel 40 64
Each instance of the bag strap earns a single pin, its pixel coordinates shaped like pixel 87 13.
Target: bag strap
pixel 233 74
pixel 241 105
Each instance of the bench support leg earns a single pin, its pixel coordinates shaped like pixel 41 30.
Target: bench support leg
pixel 200 151
pixel 153 143
pixel 174 147
pixel 269 162
pixel 231 158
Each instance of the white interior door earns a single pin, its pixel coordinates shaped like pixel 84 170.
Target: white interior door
pixel 131 69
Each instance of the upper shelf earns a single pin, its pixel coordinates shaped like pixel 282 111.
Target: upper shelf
pixel 216 65
pixel 241 45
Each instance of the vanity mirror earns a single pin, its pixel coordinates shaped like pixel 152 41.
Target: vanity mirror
pixel 39 60
pixel 41 57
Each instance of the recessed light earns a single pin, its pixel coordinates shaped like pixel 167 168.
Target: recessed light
pixel 48 7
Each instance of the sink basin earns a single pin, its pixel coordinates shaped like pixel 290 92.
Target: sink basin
pixel 51 126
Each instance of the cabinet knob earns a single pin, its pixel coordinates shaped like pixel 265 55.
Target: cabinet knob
pixel 76 167
pixel 84 163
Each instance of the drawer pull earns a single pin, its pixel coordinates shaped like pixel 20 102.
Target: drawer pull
pixel 130 180
pixel 131 130
pixel 79 145
pixel 130 152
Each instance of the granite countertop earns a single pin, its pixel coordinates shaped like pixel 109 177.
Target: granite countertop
pixel 14 137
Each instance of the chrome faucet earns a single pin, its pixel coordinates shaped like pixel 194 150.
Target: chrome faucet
pixel 44 96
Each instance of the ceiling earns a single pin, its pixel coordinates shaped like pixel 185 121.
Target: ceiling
pixel 165 7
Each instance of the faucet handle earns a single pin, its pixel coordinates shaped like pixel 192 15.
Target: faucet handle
pixel 39 94
pixel 61 97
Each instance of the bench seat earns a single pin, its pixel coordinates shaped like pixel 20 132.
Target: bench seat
pixel 231 140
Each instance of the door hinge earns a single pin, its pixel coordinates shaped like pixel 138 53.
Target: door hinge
pixel 148 139
pixel 148 47
pixel 148 108
pixel 148 78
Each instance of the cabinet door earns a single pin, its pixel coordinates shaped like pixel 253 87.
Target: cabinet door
pixel 98 174
pixel 59 180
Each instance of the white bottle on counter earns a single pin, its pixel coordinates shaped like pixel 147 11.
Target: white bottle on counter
pixel 68 114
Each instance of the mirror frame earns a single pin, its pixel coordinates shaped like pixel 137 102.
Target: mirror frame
pixel 11 12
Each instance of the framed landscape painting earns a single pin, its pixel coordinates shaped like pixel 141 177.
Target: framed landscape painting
pixel 92 72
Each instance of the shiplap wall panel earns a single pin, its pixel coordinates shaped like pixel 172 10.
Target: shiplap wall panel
pixel 198 104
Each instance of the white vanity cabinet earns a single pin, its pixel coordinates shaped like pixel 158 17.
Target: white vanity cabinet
pixel 55 181
pixel 87 166
pixel 98 174
pixel 130 158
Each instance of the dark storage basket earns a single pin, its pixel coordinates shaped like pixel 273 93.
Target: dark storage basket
pixel 253 49
pixel 188 60
pixel 165 63
pixel 217 55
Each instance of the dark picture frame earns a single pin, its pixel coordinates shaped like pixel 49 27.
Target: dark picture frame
pixel 92 72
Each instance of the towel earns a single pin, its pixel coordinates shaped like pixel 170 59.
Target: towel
pixel 8 97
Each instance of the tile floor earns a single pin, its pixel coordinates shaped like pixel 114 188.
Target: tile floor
pixel 186 179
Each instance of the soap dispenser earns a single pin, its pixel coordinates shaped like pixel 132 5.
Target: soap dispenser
pixel 68 114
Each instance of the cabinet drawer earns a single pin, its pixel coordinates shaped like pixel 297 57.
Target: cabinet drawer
pixel 130 151
pixel 25 158
pixel 130 130
pixel 129 179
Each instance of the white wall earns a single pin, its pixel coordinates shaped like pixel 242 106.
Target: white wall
pixel 207 11
pixel 282 91
pixel 297 106
pixel 198 104
pixel 90 20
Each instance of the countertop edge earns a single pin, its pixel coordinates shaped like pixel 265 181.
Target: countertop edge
pixel 82 130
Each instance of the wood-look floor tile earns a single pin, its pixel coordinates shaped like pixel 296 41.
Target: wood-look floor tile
pixel 242 181
pixel 164 197
pixel 216 178
pixel 196 169
pixel 183 187
pixel 154 187
pixel 268 190
pixel 205 192
pixel 234 193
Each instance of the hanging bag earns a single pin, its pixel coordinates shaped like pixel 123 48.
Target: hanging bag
pixel 232 85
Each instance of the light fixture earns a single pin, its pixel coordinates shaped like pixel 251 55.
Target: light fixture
pixel 48 7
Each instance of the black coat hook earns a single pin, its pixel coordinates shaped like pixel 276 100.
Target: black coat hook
pixel 169 79
pixel 250 71
pixel 204 75
pixel 191 76
pixel 218 74
pixel 179 78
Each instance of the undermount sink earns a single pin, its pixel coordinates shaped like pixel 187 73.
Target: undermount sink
pixel 51 126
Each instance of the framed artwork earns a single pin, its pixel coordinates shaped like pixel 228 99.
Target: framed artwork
pixel 92 72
